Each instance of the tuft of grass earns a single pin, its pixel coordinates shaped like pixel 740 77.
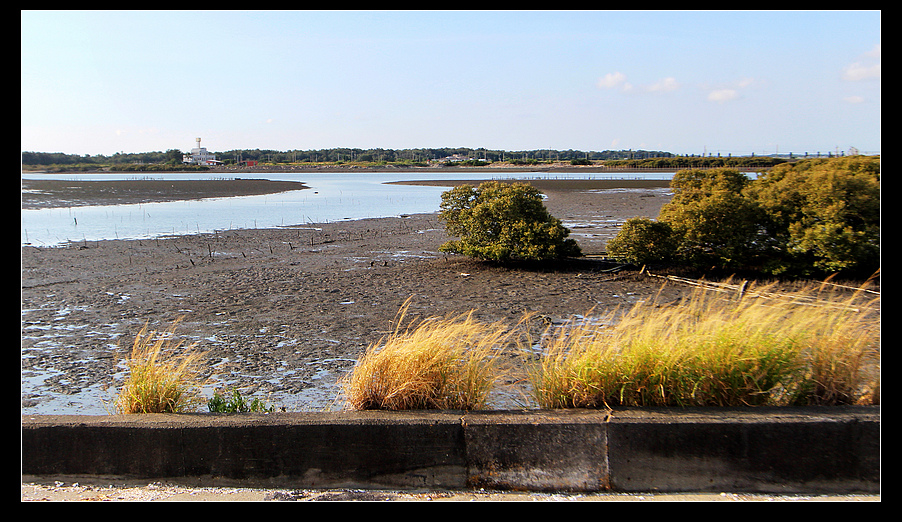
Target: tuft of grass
pixel 764 348
pixel 443 363
pixel 163 376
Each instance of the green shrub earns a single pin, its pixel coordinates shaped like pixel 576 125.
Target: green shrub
pixel 713 224
pixel 501 222
pixel 642 241
pixel 825 214
pixel 236 404
pixel 808 218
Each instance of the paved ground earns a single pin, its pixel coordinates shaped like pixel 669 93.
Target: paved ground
pixel 58 491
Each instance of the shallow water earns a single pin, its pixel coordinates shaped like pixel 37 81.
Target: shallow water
pixel 50 386
pixel 331 197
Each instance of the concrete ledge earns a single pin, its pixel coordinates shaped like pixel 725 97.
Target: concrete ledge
pixel 766 450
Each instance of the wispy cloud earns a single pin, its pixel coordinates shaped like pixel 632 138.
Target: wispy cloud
pixel 867 68
pixel 723 95
pixel 613 80
pixel 618 80
pixel 714 93
pixel 728 92
pixel 664 85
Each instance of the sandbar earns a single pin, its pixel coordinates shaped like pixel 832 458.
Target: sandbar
pixel 42 193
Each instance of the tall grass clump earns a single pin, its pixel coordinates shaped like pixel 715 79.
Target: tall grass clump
pixel 443 363
pixel 763 348
pixel 162 377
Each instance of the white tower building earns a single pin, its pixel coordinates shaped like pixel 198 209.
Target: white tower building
pixel 200 156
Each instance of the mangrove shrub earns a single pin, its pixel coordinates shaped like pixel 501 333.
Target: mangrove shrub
pixel 807 218
pixel 503 222
pixel 643 241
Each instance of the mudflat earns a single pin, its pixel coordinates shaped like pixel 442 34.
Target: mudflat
pixel 40 193
pixel 284 313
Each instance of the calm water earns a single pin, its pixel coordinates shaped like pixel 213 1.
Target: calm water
pixel 331 197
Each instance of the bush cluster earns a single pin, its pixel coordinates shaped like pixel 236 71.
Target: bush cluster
pixel 807 218
pixel 503 222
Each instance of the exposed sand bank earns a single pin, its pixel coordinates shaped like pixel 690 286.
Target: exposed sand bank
pixel 65 193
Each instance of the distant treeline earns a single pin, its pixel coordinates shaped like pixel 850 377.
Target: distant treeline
pixel 142 161
pixel 172 159
pixel 692 162
pixel 424 155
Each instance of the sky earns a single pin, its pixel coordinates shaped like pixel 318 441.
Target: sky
pixel 685 82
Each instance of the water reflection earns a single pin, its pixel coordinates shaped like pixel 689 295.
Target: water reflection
pixel 331 197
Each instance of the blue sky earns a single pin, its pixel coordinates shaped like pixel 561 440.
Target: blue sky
pixel 687 82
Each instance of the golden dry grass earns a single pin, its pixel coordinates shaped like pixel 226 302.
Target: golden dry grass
pixel 443 363
pixel 808 347
pixel 163 376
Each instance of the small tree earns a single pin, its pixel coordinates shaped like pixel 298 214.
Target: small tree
pixel 825 214
pixel 712 222
pixel 642 241
pixel 720 229
pixel 502 222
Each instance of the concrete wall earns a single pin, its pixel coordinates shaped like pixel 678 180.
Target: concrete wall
pixel 774 450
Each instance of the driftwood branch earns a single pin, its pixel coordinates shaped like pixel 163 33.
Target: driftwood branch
pixel 742 291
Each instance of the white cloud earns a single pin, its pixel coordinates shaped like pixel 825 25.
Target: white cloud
pixel 611 80
pixel 853 99
pixel 867 68
pixel 715 93
pixel 858 71
pixel 730 91
pixel 664 85
pixel 618 79
pixel 723 95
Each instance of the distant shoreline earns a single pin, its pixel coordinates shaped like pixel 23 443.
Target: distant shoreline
pixel 68 193
pixel 550 169
pixel 551 184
